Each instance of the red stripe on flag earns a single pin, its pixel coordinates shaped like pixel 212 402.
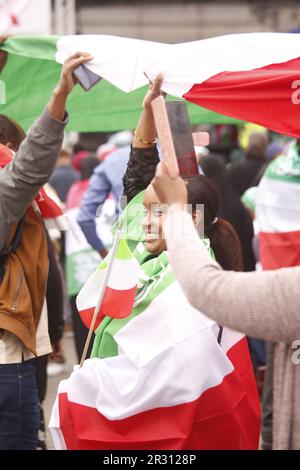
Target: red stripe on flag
pixel 223 417
pixel 267 96
pixel 47 205
pixel 116 304
pixel 279 250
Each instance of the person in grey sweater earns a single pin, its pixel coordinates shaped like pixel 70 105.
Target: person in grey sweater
pixel 264 304
pixel 20 181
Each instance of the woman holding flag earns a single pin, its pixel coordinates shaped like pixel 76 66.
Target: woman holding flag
pixel 164 377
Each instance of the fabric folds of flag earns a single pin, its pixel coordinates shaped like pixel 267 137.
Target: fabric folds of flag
pixel 278 212
pixel 119 293
pixel 104 108
pixel 161 378
pixel 170 386
pixel 252 76
pixel 47 202
pixel 50 207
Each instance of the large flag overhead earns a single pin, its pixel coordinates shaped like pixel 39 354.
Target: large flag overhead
pixel 277 211
pixel 105 108
pixel 252 76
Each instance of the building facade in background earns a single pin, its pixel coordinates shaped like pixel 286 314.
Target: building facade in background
pixel 178 21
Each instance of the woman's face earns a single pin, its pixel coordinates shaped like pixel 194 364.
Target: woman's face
pixel 152 223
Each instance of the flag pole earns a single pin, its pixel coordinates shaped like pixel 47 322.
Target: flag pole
pixel 102 292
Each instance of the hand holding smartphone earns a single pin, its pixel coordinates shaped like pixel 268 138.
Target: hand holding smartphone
pixel 175 137
pixel 86 78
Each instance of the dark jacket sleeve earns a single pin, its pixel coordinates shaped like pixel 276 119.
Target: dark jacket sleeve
pixel 54 296
pixel 140 171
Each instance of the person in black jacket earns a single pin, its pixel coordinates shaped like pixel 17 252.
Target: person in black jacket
pixel 241 174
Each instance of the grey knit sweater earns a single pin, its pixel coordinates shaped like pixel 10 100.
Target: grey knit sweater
pixel 261 304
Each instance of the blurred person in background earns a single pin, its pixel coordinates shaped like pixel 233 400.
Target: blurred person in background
pixel 81 258
pixel 106 180
pixel 63 175
pixel 242 173
pixel 274 150
pixel 77 158
pixel 277 213
pixel 231 207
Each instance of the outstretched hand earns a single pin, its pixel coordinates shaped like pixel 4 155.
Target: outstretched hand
pixel 67 81
pixel 169 190
pixel 153 92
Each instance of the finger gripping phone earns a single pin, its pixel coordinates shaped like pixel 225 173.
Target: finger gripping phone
pixel 86 78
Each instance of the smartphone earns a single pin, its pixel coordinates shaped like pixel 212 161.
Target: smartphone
pixel 87 79
pixel 175 137
pixel 164 135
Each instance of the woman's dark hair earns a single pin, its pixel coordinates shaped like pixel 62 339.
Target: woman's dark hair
pixel 223 238
pixel 11 132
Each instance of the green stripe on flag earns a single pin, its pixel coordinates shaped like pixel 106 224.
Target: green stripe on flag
pixel 31 74
pixel 104 343
pixel 286 167
pixel 79 267
pixel 123 252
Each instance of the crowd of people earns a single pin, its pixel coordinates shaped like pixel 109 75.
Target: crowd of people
pixel 243 273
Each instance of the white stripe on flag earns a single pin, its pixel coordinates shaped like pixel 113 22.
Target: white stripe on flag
pixel 122 61
pixel 54 423
pixel 123 276
pixel 171 343
pixel 277 206
pixel 182 66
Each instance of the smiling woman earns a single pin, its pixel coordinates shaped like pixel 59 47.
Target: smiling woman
pixel 153 222
pixel 153 363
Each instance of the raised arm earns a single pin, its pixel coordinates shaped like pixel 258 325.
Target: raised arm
pixel 144 155
pixel 32 166
pixel 260 304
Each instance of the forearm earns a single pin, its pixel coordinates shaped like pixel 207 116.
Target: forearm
pixel 264 305
pixel 145 133
pixel 57 105
pixel 140 170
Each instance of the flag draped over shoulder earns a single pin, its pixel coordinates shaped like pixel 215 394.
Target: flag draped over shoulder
pixel 253 77
pixel 159 379
pixel 46 201
pixel 104 108
pixel 278 212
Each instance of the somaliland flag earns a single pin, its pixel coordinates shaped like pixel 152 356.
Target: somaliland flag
pixel 278 212
pixel 169 385
pixel 254 77
pixel 104 108
pixel 119 293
